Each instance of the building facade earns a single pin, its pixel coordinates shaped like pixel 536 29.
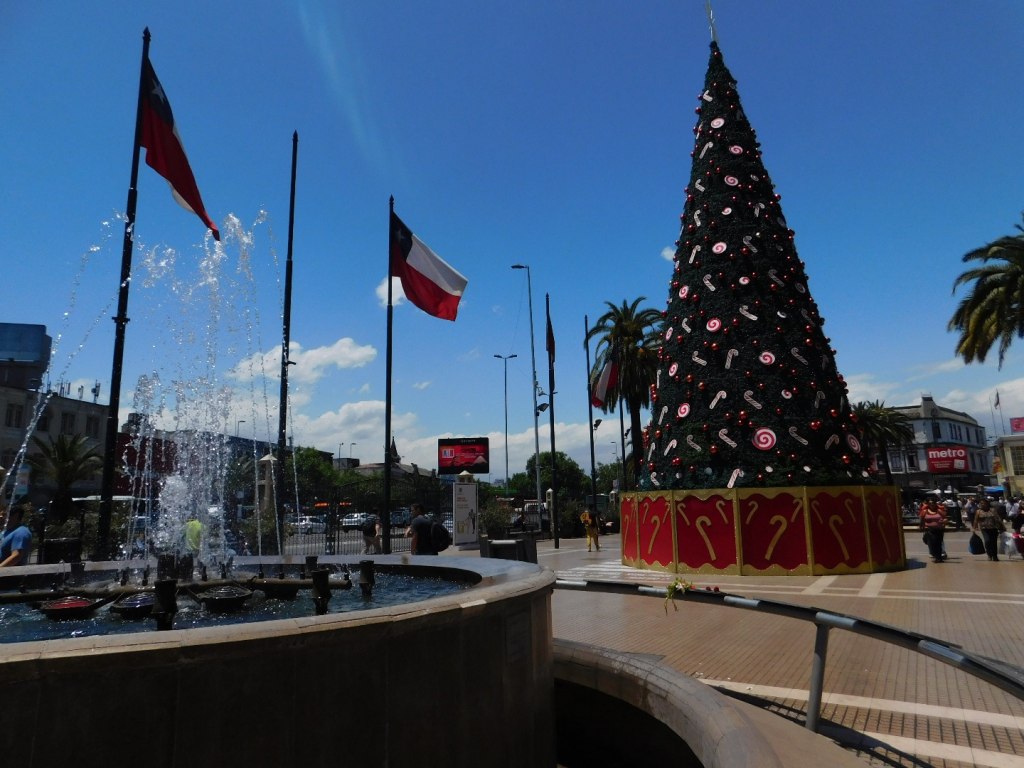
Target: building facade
pixel 1008 464
pixel 950 450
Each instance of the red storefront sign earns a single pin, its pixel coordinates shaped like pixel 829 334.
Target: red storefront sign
pixel 950 459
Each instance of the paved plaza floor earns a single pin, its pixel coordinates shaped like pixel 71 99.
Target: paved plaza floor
pixel 888 705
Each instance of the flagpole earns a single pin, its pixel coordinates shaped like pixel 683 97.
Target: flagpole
pixel 282 421
pixel 590 407
pixel 385 513
pixel 120 321
pixel 551 419
pixel 622 441
pixel 991 410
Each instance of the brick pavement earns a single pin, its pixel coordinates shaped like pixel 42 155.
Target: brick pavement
pixel 891 706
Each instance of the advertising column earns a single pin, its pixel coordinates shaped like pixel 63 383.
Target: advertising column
pixel 464 510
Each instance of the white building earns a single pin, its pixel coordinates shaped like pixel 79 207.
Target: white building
pixel 950 450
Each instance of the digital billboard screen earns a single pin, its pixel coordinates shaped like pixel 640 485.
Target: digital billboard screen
pixel 463 454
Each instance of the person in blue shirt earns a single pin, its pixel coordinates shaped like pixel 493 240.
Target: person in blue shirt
pixel 17 541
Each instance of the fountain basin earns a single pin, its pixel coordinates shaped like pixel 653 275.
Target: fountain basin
pixel 438 682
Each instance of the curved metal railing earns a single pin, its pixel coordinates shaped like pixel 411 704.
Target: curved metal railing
pixel 824 621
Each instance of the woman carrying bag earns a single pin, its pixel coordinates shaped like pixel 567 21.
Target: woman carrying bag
pixel 987 520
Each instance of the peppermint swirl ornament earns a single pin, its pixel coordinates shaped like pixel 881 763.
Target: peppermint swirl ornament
pixel 764 439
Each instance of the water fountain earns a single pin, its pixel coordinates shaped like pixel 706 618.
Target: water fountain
pixel 184 666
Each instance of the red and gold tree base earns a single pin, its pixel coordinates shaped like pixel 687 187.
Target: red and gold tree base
pixel 790 531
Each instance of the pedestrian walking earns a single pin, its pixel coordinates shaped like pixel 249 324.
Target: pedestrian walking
pixel 990 525
pixel 933 521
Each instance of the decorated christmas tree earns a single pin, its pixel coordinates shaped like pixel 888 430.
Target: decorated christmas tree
pixel 747 392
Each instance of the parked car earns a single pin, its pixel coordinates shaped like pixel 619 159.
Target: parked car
pixel 310 524
pixel 353 521
pixel 401 517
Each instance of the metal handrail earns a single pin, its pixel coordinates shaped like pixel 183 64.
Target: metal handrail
pixel 947 653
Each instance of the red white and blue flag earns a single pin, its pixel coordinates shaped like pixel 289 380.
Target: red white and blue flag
pixel 606 381
pixel 165 153
pixel 427 280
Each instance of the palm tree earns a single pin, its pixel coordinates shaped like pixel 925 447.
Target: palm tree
pixel 64 462
pixel 994 308
pixel 882 427
pixel 632 334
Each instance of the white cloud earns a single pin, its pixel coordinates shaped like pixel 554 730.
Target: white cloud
pixel 397 294
pixel 668 253
pixel 310 365
pixel 421 385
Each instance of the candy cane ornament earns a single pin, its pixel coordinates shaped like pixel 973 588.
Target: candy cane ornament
pixel 729 356
pixel 670 447
pixel 661 416
pixel 796 353
pixel 749 242
pixel 775 277
pixel 832 441
pixel 693 443
pixel 694 252
pixel 796 436
pixel 723 435
pixel 749 397
pixel 736 474
pixel 697 359
pixel 708 283
pixel 696 218
pixel 720 396
pixel 706 147
pixel 818 398
pixel 746 314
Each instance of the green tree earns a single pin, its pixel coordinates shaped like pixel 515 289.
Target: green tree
pixel 993 310
pixel 881 427
pixel 607 474
pixel 573 483
pixel 632 335
pixel 309 475
pixel 64 462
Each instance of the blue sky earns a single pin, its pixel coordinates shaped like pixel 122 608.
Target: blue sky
pixel 555 134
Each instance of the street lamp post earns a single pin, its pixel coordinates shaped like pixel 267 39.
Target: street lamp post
pixel 350 449
pixel 240 421
pixel 536 384
pixel 504 359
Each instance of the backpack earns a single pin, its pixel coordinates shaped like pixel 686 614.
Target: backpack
pixel 440 537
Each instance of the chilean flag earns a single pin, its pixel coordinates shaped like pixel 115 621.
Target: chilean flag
pixel 428 281
pixel 165 153
pixel 606 381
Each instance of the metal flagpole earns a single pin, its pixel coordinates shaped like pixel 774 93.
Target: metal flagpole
pixel 385 513
pixel 282 421
pixel 120 321
pixel 551 416
pixel 536 387
pixel 590 406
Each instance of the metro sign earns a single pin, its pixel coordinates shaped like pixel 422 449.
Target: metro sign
pixel 950 459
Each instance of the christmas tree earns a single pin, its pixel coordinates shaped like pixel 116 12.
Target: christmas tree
pixel 747 392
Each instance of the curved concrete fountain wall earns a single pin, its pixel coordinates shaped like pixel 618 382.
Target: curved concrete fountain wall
pixel 460 680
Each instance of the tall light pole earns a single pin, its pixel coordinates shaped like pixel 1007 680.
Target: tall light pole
pixel 350 449
pixel 536 384
pixel 504 359
pixel 240 421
